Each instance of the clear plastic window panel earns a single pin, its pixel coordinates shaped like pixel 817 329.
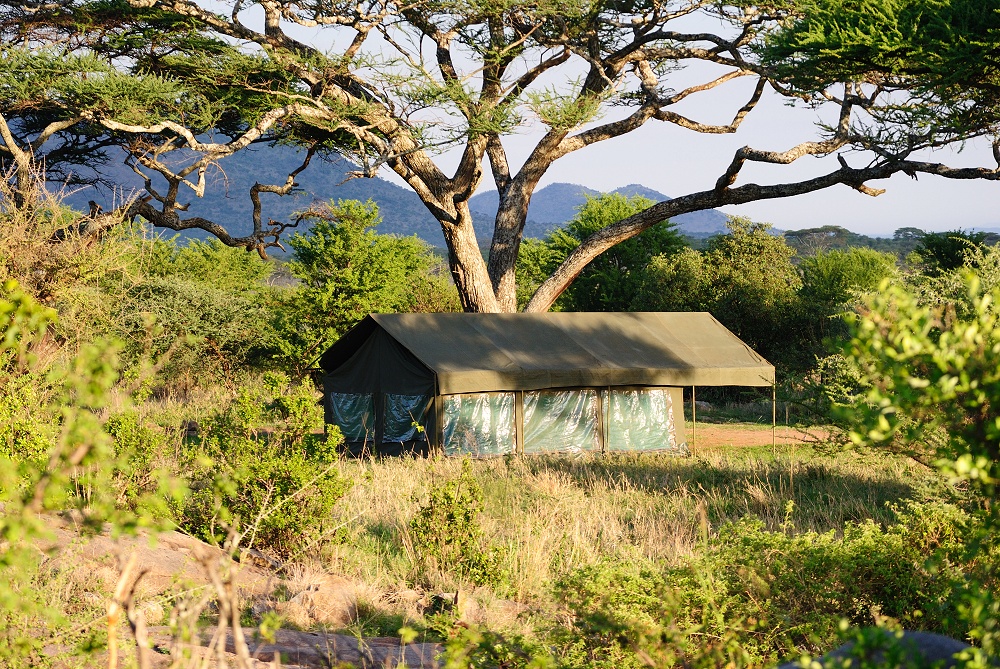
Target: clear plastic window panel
pixel 355 415
pixel 642 420
pixel 479 424
pixel 405 418
pixel 561 421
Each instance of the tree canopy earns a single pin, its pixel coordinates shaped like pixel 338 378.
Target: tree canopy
pixel 392 85
pixel 613 280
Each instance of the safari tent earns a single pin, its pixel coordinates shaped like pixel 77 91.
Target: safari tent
pixel 494 384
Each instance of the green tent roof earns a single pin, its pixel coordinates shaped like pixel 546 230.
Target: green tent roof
pixel 494 352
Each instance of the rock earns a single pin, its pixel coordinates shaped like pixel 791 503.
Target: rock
pixel 405 597
pixel 442 602
pixel 331 601
pixel 169 563
pixel 190 429
pixel 153 612
pixel 307 649
pixel 921 648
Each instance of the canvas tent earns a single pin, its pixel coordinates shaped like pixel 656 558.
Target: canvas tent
pixel 492 384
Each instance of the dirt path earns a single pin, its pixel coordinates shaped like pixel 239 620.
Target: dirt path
pixel 714 435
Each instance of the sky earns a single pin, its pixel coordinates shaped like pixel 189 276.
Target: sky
pixel 676 161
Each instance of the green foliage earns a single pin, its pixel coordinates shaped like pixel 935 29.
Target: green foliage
pixel 838 40
pixel 754 596
pixel 88 84
pixel 204 303
pixel 934 380
pixel 56 457
pixel 834 280
pixel 809 241
pixel 943 51
pixel 277 487
pixel 347 271
pixel 447 535
pixel 745 279
pixel 933 388
pixel 941 252
pixel 612 280
pixel 564 111
pixel 295 407
pixel 141 470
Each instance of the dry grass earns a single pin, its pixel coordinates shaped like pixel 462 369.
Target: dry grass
pixel 549 515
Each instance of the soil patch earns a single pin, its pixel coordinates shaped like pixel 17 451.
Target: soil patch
pixel 716 435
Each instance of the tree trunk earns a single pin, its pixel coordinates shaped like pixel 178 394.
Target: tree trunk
pixel 468 268
pixel 509 227
pixel 512 213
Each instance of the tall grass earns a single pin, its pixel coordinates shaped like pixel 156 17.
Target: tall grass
pixel 552 515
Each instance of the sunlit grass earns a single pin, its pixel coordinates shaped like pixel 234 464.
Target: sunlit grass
pixel 552 514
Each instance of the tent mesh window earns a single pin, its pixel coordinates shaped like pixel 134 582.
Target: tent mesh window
pixel 404 418
pixel 642 420
pixel 354 414
pixel 564 421
pixel 478 424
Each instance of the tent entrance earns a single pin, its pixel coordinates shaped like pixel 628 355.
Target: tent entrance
pixel 380 424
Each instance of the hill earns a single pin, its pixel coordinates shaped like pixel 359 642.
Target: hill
pixel 556 203
pixel 403 213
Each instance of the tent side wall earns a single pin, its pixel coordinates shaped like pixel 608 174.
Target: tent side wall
pixel 557 420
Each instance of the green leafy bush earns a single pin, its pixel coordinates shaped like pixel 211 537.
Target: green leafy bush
pixel 933 379
pixel 446 532
pixel 255 470
pixel 56 457
pixel 746 279
pixel 143 463
pixel 347 270
pixel 611 282
pixel 280 499
pixel 755 596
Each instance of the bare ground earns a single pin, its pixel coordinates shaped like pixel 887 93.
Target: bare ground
pixel 717 435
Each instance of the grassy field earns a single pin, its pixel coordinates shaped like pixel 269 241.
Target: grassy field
pixel 551 516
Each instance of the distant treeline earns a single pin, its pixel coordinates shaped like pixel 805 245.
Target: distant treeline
pixel 902 243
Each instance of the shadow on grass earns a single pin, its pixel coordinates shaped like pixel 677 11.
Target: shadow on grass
pixel 825 493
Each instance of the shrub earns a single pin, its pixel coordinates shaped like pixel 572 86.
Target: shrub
pixel 278 486
pixel 347 270
pixel 447 535
pixel 141 465
pixel 59 469
pixel 756 596
pixel 278 498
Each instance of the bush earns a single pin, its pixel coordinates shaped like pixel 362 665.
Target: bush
pixel 447 535
pixel 142 465
pixel 347 270
pixel 55 457
pixel 260 471
pixel 754 596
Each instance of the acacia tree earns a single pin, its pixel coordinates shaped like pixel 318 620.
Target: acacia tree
pixel 390 84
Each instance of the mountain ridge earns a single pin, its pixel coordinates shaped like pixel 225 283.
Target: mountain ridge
pixel 226 198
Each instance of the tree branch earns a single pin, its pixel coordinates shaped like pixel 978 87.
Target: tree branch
pixel 604 239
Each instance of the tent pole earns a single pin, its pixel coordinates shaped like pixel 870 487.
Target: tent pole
pixel 438 419
pixel 694 418
pixel 519 422
pixel 601 399
pixel 774 412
